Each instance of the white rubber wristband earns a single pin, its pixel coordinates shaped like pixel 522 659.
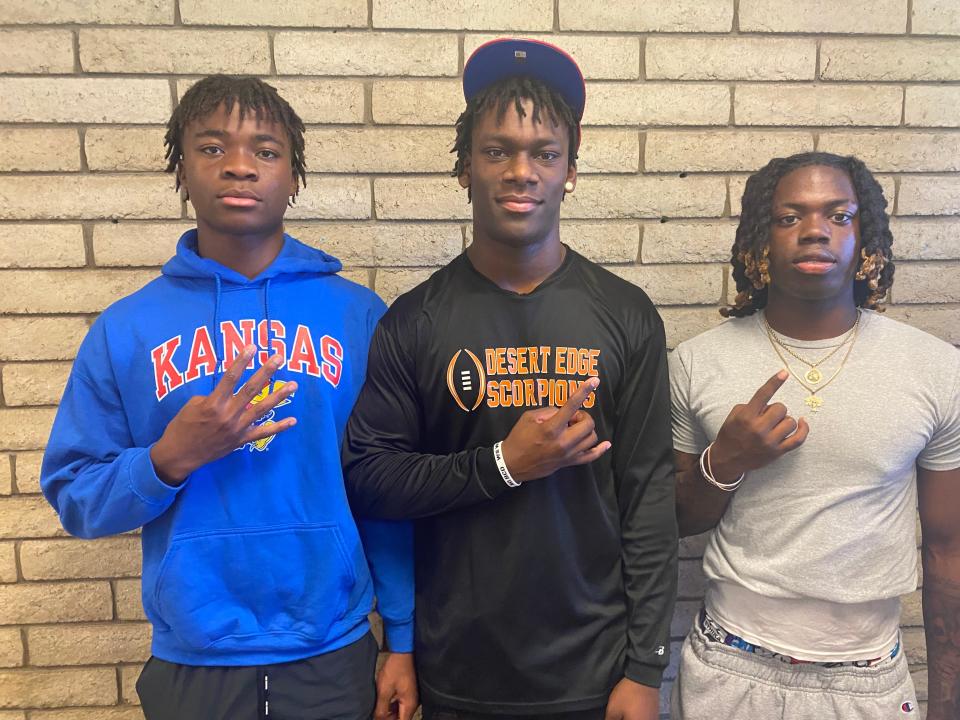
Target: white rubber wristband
pixel 502 466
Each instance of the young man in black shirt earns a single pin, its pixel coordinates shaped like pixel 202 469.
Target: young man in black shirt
pixel 517 406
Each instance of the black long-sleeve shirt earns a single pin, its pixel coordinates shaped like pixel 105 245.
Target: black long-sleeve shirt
pixel 540 598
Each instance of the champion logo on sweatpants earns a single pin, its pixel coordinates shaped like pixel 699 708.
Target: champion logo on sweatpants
pixel 907 707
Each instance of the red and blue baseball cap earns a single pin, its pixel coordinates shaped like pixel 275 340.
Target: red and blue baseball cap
pixel 506 57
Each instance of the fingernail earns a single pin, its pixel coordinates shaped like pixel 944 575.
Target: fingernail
pixel 782 375
pixel 593 382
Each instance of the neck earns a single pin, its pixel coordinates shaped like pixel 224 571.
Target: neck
pixel 517 269
pixel 248 255
pixel 809 319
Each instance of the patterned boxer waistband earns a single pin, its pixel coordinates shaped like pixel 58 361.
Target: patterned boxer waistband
pixel 714 632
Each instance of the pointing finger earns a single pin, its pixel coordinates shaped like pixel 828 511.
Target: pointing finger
pixel 573 403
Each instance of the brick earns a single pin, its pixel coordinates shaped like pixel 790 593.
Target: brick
pixel 932 106
pixel 644 196
pixel 79 559
pixel 128 684
pixel 27 470
pixel 924 282
pixel 390 284
pixel 417 102
pixel 11 648
pixel 919 677
pixel 675 284
pixel 687 242
pixel 33 150
pixel 84 100
pixel 108 12
pixel 935 17
pixel 28 516
pixel 386 150
pixel 8 563
pixel 420 199
pixel 57 688
pixel 34 383
pixel 652 103
pixel 332 198
pixel 926 238
pixel 352 244
pixel 463 14
pixel 916 646
pixel 605 242
pixel 89 644
pixel 691 581
pixel 783 104
pixel 889 60
pixel 25 603
pixel 136 244
pixel 40 338
pixel 730 58
pixel 323 101
pixel 100 713
pixel 330 13
pixel 353 53
pixel 6 479
pixel 69 197
pixel 24 429
pixel 360 276
pixel 910 151
pixel 615 58
pixel 824 16
pixel 174 51
pixel 36 246
pixel 36 51
pixel 77 291
pixel 609 151
pixel 416 245
pixel 128 600
pixel 125 149
pixel 929 195
pixel 911 609
pixel 738 182
pixel 940 320
pixel 12 715
pixel 677 16
pixel 724 150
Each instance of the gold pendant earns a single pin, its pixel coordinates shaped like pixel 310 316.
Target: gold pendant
pixel 813 376
pixel 814 403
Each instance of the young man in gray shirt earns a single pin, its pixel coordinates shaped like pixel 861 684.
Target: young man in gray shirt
pixel 804 430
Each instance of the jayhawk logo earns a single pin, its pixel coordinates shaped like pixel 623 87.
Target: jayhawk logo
pixel 262 444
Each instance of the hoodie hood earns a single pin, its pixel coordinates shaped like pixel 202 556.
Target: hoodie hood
pixel 295 258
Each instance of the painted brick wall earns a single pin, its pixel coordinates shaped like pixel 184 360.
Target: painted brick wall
pixel 685 98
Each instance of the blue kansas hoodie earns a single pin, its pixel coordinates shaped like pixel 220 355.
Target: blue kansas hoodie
pixel 256 558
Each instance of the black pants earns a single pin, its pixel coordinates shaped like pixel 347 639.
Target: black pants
pixel 334 686
pixel 433 712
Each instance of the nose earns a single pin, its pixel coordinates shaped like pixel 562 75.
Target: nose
pixel 814 228
pixel 239 165
pixel 520 170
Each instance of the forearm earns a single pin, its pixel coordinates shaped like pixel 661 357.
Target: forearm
pixel 941 614
pixel 700 505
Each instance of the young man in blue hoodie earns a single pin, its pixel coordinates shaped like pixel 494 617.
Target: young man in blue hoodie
pixel 208 409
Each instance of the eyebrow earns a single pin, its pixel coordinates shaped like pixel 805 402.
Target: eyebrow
pixel 261 137
pixel 507 140
pixel 828 203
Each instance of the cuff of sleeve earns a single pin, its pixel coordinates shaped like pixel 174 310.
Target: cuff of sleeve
pixel 488 475
pixel 145 482
pixel 648 675
pixel 399 636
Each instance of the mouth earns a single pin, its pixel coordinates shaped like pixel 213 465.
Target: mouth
pixel 518 203
pixel 239 198
pixel 815 263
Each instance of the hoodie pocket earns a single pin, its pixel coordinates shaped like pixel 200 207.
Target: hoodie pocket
pixel 229 587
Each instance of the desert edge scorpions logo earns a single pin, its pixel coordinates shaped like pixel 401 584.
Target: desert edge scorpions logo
pixel 527 377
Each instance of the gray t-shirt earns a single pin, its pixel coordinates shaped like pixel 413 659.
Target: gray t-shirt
pixel 833 520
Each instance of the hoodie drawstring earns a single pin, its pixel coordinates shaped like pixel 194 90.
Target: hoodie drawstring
pixel 266 312
pixel 219 353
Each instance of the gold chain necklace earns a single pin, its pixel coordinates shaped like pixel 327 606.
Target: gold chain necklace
pixel 813 375
pixel 812 401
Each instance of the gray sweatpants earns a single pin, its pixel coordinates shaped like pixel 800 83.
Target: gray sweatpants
pixel 717 681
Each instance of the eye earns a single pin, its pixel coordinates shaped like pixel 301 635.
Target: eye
pixel 842 218
pixel 548 155
pixel 268 154
pixel 495 153
pixel 211 150
pixel 787 220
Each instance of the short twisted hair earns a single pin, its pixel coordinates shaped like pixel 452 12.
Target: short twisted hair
pixel 749 251
pixel 253 96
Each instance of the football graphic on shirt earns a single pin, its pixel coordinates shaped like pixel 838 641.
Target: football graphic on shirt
pixel 466 380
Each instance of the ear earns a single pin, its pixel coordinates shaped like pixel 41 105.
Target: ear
pixel 182 179
pixel 464 177
pixel 294 185
pixel 572 174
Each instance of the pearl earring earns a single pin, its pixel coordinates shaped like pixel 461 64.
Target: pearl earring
pixel 568 186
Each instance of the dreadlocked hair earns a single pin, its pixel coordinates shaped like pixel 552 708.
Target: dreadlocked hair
pixel 511 92
pixel 252 95
pixel 752 244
